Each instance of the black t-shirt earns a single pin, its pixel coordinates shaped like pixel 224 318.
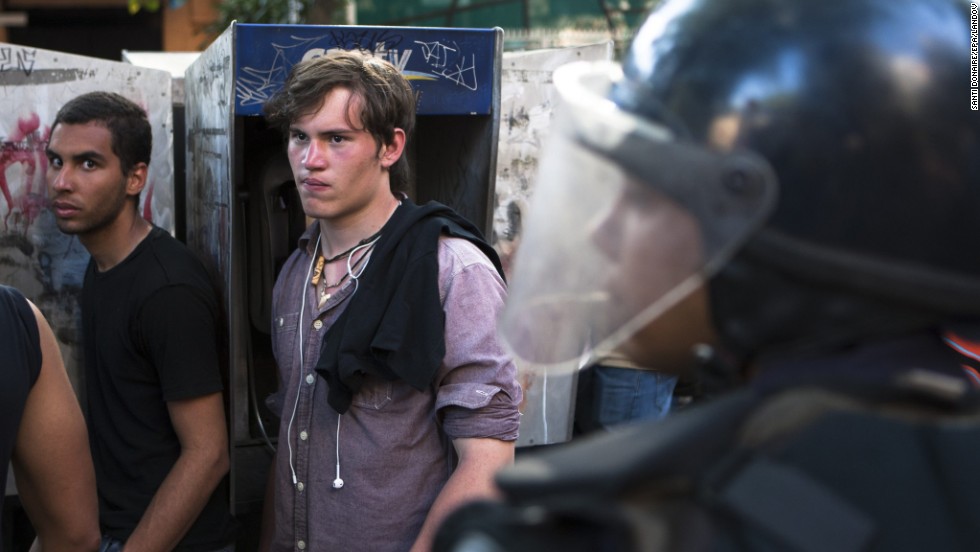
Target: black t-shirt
pixel 151 330
pixel 20 365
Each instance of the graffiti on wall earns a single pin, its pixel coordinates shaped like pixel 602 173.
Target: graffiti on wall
pixel 208 88
pixel 22 155
pixel 527 101
pixel 451 70
pixel 17 59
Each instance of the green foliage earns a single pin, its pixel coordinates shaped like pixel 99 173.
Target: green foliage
pixel 136 5
pixel 256 11
pixel 276 12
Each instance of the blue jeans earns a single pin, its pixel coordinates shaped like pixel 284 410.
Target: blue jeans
pixel 110 544
pixel 611 396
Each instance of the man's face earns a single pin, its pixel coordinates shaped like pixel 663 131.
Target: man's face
pixel 652 243
pixel 604 258
pixel 627 225
pixel 654 248
pixel 86 185
pixel 337 165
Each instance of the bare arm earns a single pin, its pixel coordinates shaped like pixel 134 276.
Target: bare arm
pixel 51 459
pixel 203 461
pixel 479 460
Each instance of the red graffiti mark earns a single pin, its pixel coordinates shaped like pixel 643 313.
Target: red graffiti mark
pixel 24 146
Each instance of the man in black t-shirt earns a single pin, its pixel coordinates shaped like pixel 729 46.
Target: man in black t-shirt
pixel 150 325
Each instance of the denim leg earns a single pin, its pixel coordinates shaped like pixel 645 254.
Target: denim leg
pixel 624 395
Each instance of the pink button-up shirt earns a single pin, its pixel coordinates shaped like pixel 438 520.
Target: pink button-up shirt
pixel 394 445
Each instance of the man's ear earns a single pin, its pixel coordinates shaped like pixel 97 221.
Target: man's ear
pixel 390 153
pixel 136 179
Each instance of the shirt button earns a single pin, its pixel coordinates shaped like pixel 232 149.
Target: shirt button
pixel 279 321
pixel 317 324
pixel 300 486
pixel 301 545
pixel 310 379
pixel 303 435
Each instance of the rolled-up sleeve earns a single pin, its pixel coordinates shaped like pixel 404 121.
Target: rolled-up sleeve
pixel 478 395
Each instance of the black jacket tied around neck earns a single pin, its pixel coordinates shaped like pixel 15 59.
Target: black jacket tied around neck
pixel 394 326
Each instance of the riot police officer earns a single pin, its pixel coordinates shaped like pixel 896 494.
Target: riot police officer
pixel 783 195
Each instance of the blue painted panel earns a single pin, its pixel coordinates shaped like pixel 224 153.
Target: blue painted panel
pixel 452 70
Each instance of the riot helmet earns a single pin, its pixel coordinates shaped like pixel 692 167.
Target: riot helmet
pixel 812 167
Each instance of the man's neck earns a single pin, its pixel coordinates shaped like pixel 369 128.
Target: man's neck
pixel 338 236
pixel 111 245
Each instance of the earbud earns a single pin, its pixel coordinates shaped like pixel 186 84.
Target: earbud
pixel 338 483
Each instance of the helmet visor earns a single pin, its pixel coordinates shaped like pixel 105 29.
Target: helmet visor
pixel 625 222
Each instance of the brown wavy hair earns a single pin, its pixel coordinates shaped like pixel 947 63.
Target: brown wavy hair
pixel 386 99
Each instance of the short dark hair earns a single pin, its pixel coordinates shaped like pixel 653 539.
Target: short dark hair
pixel 132 137
pixel 387 100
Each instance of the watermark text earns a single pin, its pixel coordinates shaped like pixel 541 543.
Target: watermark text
pixel 974 38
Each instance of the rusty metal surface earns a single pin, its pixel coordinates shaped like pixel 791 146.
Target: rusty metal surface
pixel 209 105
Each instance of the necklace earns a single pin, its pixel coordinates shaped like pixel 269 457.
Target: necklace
pixel 351 250
pixel 322 261
pixel 327 286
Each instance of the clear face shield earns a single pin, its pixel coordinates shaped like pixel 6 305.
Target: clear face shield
pixel 625 222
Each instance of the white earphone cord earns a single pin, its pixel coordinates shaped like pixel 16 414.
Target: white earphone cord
pixel 338 482
pixel 299 328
